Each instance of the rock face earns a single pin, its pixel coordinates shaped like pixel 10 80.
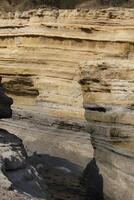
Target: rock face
pixel 40 78
pixel 108 98
pixel 70 68
pixel 15 172
pixel 41 51
pixel 5 103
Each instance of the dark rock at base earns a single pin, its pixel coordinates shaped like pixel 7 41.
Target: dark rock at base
pixel 5 103
pixel 92 182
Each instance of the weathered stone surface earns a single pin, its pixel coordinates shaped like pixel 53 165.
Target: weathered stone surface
pixel 40 53
pixel 15 172
pixel 12 151
pixel 108 97
pixel 41 59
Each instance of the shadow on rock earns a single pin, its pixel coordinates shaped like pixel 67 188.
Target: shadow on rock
pixel 47 161
pixel 69 178
pixel 92 182
pixel 61 176
pixel 15 172
pixel 5 103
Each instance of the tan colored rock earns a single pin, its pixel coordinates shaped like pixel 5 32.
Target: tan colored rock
pixel 66 67
pixel 110 122
pixel 16 175
pixel 40 55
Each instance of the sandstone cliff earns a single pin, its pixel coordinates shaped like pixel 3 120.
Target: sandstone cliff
pixel 108 100
pixel 18 179
pixel 70 68
pixel 41 51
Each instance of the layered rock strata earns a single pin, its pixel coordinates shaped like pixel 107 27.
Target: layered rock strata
pixel 41 51
pixel 16 175
pixel 41 59
pixel 108 99
pixel 37 72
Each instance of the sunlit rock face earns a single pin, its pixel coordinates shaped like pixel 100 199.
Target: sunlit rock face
pixel 108 99
pixel 69 68
pixel 41 51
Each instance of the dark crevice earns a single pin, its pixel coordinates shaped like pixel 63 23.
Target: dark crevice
pixel 87 30
pixel 92 182
pixel 90 107
pixel 21 86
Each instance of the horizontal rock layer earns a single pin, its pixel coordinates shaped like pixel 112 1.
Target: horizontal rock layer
pixel 76 66
pixel 108 98
pixel 41 50
pixel 16 175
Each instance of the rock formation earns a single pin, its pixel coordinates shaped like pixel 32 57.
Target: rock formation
pixel 108 98
pixel 69 68
pixel 15 172
pixel 41 51
pixel 5 103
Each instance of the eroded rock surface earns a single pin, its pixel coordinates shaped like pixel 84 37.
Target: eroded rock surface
pixel 41 59
pixel 16 174
pixel 108 98
pixel 41 51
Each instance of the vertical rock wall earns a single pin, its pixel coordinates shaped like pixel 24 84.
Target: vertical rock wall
pixel 41 51
pixel 108 96
pixel 16 175
pixel 76 66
